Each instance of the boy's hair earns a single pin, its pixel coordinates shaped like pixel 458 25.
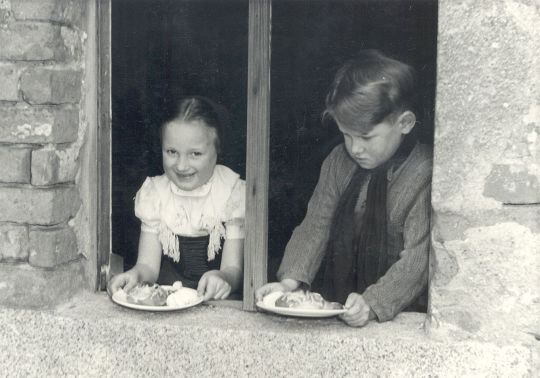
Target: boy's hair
pixel 198 108
pixel 369 88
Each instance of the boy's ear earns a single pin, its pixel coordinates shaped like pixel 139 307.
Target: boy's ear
pixel 406 121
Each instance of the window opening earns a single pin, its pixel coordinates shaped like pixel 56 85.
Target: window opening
pixel 160 52
pixel 310 39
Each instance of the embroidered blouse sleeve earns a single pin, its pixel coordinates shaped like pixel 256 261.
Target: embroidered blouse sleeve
pixel 147 203
pixel 236 211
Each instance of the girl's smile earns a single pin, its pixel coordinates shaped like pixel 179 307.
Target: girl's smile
pixel 189 153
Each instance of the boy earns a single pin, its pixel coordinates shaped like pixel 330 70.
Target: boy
pixel 369 215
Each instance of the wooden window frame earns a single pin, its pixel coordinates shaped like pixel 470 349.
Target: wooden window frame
pixel 257 151
pixel 104 109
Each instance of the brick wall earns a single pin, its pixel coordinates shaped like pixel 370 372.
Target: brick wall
pixel 41 95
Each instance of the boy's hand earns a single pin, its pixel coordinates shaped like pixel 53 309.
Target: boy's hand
pixel 126 281
pixel 213 285
pixel 358 311
pixel 285 285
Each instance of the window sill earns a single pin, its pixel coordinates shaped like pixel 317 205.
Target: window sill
pixel 92 336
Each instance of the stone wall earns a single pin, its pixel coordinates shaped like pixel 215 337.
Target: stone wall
pixel 42 130
pixel 486 193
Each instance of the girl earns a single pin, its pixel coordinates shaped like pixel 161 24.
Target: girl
pixel 369 216
pixel 193 215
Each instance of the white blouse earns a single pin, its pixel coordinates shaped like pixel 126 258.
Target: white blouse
pixel 216 208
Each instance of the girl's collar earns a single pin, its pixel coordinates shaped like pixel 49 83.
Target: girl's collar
pixel 200 191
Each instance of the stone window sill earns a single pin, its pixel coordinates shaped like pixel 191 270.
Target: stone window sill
pixel 92 336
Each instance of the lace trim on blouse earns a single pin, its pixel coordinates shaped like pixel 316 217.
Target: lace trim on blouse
pixel 171 246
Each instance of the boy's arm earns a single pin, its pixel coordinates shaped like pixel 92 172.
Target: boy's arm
pixel 306 247
pixel 407 277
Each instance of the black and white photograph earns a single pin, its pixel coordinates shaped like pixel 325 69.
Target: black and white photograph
pixel 269 188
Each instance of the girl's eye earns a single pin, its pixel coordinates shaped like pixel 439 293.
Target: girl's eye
pixel 196 153
pixel 171 151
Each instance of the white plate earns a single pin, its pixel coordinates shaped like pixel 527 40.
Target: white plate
pixel 120 298
pixel 301 312
pixel 268 304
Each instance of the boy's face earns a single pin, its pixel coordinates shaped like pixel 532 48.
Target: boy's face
pixel 370 149
pixel 189 153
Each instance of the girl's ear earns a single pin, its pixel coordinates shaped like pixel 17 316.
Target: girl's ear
pixel 406 121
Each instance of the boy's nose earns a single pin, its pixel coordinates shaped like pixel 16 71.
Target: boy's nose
pixel 357 147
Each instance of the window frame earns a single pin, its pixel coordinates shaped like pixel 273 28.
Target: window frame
pixel 257 152
pixel 104 109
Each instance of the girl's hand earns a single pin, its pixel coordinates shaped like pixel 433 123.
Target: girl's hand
pixel 285 285
pixel 358 311
pixel 126 281
pixel 213 285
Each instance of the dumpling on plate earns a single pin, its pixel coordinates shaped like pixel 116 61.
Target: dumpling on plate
pixel 182 297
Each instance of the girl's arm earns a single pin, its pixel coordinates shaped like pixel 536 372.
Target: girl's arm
pixel 146 269
pixel 149 257
pixel 232 262
pixel 218 284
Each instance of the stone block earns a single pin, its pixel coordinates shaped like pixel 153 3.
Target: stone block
pixel 13 242
pixel 49 247
pixel 9 82
pixel 5 12
pixel 14 164
pixel 46 86
pixel 486 96
pixel 485 286
pixel 44 124
pixel 39 206
pixel 52 165
pixel 512 185
pixel 62 11
pixel 24 285
pixel 31 41
pixel 73 40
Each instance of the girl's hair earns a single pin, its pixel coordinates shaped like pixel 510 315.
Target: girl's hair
pixel 369 88
pixel 202 109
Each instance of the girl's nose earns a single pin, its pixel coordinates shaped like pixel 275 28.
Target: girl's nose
pixel 181 163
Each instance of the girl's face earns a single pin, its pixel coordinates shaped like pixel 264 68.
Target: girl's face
pixel 189 153
pixel 370 149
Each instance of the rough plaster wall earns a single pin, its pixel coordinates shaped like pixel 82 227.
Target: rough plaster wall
pixel 44 242
pixel 486 192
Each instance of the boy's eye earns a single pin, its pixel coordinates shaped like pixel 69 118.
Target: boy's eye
pixel 196 153
pixel 170 151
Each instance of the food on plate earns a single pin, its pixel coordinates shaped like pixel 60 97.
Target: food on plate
pixel 182 297
pixel 270 299
pixel 147 294
pixel 176 285
pixel 155 295
pixel 305 299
